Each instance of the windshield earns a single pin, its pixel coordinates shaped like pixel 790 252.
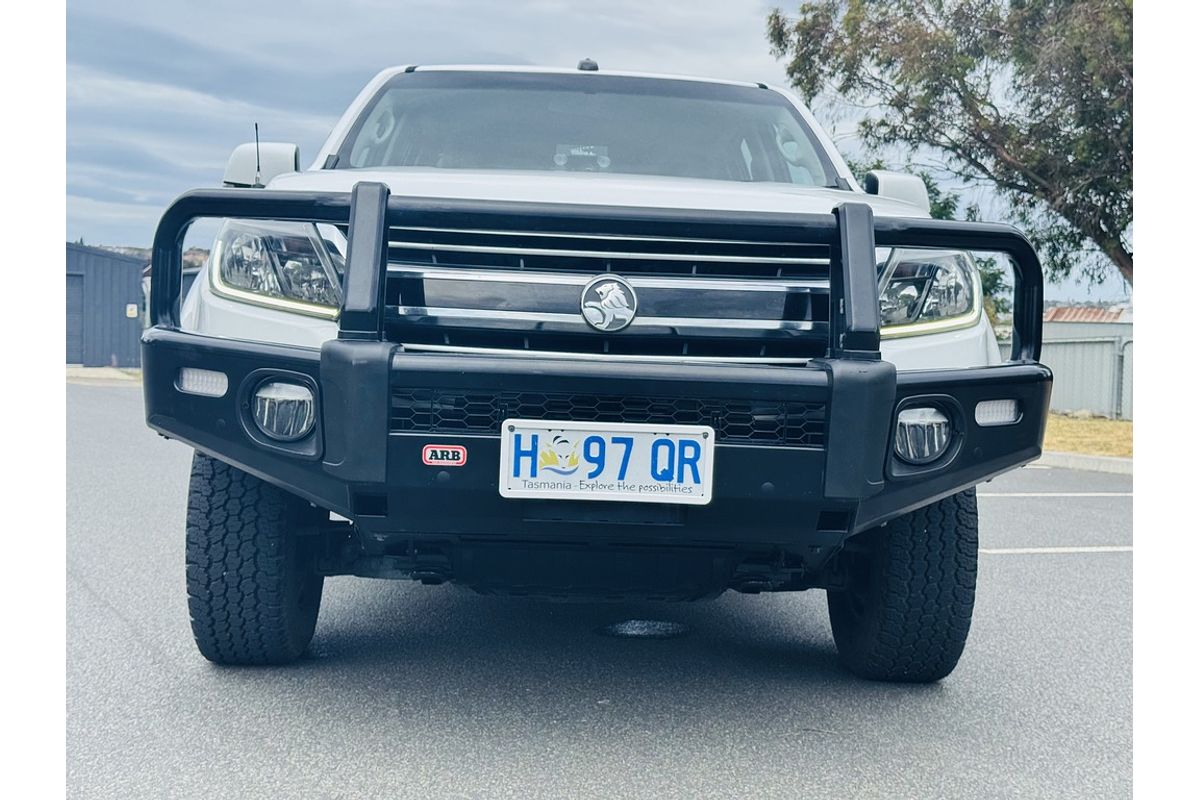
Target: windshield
pixel 585 123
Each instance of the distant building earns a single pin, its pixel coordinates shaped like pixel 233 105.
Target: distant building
pixel 104 307
pixel 1089 314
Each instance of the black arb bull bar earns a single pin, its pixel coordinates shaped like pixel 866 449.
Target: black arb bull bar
pixel 356 465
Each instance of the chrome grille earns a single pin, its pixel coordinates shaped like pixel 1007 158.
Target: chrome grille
pixel 698 298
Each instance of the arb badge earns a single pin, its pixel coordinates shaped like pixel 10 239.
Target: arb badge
pixel 444 455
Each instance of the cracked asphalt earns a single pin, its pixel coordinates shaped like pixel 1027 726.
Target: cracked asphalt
pixel 414 691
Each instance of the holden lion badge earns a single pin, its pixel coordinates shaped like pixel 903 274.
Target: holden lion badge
pixel 608 303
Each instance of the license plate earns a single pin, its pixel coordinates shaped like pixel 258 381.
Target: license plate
pixel 613 461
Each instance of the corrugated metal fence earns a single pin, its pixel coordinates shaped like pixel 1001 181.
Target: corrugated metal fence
pixel 1093 366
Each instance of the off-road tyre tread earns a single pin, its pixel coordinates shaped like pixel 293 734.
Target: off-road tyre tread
pixel 919 600
pixel 253 591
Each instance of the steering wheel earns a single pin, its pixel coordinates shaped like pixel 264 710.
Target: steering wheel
pixel 384 126
pixel 789 146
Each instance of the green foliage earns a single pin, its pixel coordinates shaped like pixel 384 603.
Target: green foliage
pixel 1032 96
pixel 997 291
pixel 942 205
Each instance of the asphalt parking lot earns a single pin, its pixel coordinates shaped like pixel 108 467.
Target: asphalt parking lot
pixel 413 691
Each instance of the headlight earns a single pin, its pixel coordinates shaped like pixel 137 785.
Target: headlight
pixel 292 266
pixel 927 291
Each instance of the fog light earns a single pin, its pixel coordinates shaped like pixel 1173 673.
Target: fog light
pixel 284 411
pixel 922 435
pixel 205 382
pixel 997 412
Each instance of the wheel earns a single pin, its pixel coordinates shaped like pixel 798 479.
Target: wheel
pixel 904 609
pixel 253 588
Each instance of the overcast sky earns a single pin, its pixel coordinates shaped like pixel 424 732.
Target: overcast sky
pixel 160 91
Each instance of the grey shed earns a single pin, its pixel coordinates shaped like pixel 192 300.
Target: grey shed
pixel 104 307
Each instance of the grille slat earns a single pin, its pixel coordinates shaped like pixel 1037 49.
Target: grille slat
pixel 760 422
pixel 585 253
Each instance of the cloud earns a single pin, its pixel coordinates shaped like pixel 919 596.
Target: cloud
pixel 173 121
pixel 131 223
pixel 134 143
pixel 160 91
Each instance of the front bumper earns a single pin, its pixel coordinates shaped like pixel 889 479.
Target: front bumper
pixel 780 509
pixel 361 465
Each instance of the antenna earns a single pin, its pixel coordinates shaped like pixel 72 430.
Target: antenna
pixel 258 184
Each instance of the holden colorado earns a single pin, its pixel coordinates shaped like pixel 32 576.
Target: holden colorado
pixel 573 333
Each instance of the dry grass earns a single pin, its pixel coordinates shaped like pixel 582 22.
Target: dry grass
pixel 1094 436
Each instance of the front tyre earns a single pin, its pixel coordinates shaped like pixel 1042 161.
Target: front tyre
pixel 253 588
pixel 904 610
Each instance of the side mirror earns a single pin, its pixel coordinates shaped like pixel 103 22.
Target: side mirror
pixel 898 186
pixel 255 165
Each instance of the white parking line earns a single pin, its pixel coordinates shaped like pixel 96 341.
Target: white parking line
pixel 1055 494
pixel 1034 551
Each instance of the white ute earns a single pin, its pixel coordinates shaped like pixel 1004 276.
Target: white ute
pixel 587 334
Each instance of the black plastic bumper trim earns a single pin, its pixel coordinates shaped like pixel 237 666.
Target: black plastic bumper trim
pixel 762 493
